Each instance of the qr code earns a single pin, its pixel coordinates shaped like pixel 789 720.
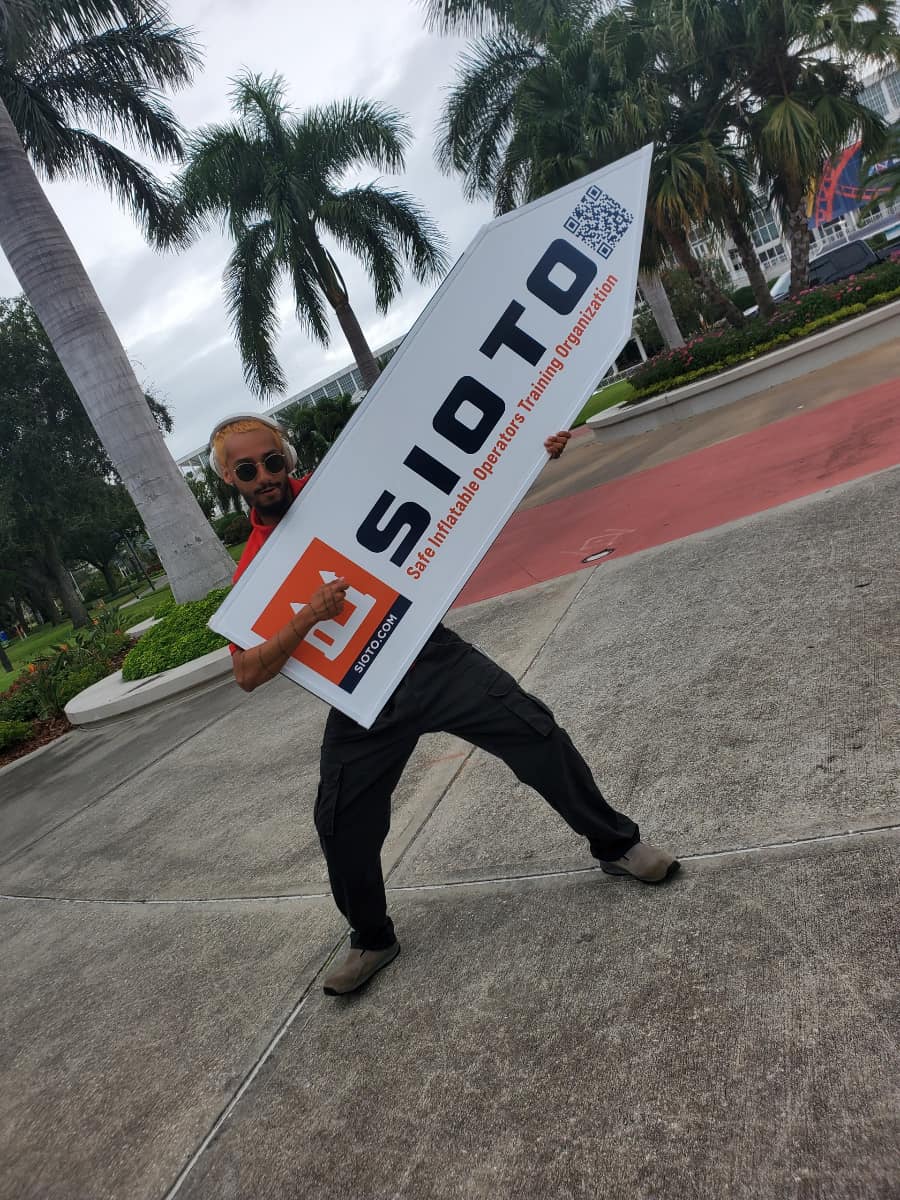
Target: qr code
pixel 599 221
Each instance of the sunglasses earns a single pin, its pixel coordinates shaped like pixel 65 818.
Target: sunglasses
pixel 274 464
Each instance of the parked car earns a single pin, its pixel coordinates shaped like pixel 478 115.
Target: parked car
pixel 839 263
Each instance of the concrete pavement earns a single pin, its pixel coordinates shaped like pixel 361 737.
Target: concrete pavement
pixel 718 482
pixel 547 1030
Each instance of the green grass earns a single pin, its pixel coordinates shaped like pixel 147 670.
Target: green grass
pixel 21 653
pixel 607 397
pixel 43 639
pixel 147 606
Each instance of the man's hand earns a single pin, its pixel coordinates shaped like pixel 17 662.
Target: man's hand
pixel 329 600
pixel 556 443
pixel 262 663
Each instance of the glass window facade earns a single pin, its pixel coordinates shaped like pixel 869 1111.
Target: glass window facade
pixel 873 97
pixel 765 227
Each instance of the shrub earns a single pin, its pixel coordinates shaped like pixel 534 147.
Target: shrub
pixel 743 297
pixel 55 678
pixel 233 528
pixel 731 360
pixel 12 733
pixel 77 681
pixel 797 317
pixel 19 702
pixel 179 638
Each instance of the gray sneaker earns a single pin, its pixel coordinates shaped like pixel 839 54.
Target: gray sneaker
pixel 358 968
pixel 643 862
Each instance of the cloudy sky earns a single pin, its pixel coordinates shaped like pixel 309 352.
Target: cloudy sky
pixel 168 309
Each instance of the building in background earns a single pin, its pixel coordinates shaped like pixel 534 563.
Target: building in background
pixel 345 382
pixel 881 93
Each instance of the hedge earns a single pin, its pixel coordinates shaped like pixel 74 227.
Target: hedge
pixel 233 528
pixel 666 381
pixel 795 318
pixel 13 732
pixel 180 637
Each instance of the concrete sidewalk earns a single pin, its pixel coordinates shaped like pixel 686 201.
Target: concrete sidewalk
pixel 547 1031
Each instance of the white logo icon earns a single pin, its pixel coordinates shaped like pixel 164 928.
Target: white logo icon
pixel 333 637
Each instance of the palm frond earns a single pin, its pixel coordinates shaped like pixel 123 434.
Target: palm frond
pixel 479 112
pixel 75 73
pixel 309 302
pixel 261 105
pixel 330 139
pixel 114 107
pixel 80 153
pixel 226 177
pixel 384 225
pixel 251 298
pixel 148 51
pixel 531 18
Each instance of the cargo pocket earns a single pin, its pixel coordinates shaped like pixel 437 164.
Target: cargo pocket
pixel 525 706
pixel 326 800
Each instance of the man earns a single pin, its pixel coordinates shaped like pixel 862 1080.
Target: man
pixel 451 687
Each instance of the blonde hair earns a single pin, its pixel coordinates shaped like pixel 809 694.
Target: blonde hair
pixel 242 425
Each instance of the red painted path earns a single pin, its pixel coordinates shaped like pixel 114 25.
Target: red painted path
pixel 747 474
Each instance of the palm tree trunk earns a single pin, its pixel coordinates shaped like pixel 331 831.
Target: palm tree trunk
pixel 658 302
pixel 702 279
pixel 356 339
pixel 749 259
pixel 54 280
pixel 799 239
pixel 336 293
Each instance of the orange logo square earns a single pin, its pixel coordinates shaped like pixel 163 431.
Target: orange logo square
pixel 342 648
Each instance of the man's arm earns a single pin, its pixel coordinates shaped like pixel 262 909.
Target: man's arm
pixel 262 663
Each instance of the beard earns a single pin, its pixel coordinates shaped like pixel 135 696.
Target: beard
pixel 274 503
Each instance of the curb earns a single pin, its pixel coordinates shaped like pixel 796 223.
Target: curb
pixel 114 699
pixel 809 354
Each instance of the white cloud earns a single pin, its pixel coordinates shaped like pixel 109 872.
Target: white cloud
pixel 168 309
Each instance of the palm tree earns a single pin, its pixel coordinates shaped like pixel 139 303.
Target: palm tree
pixel 794 69
pixel 64 65
pixel 313 428
pixel 527 116
pixel 273 180
pixel 695 92
pixel 225 495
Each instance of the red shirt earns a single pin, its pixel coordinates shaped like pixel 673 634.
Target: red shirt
pixel 258 535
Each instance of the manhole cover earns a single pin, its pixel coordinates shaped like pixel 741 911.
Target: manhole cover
pixel 598 554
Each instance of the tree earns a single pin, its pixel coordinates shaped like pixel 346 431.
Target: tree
pixel 794 73
pixel 692 318
pixel 272 180
pixel 314 428
pixel 65 65
pixel 536 108
pixel 202 494
pixel 700 164
pixel 101 513
pixel 52 465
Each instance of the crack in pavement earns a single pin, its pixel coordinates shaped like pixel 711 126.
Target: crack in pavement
pixel 757 849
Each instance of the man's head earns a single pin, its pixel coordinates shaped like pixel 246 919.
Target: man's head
pixel 253 454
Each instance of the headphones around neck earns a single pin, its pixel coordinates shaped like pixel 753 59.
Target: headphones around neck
pixel 289 452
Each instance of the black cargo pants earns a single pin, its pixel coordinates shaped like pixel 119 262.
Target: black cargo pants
pixel 454 688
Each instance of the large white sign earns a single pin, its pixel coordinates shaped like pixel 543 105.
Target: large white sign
pixel 449 439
